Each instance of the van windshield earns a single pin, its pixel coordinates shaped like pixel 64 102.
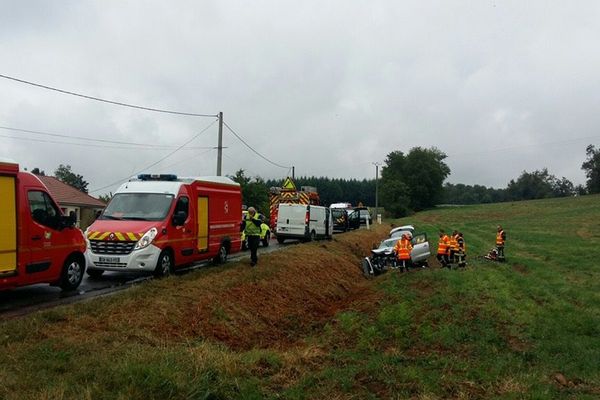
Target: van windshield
pixel 138 206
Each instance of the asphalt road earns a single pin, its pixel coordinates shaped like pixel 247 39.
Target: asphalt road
pixel 27 299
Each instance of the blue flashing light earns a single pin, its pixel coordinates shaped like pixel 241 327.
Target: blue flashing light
pixel 157 177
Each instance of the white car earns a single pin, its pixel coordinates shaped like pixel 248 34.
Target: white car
pixel 400 230
pixel 419 254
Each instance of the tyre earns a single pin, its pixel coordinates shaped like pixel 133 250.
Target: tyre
pixel 221 256
pixel 72 273
pixel 313 236
pixel 265 240
pixel 95 273
pixel 280 240
pixel 366 269
pixel 164 266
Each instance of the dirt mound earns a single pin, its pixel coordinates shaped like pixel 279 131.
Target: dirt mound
pixel 289 295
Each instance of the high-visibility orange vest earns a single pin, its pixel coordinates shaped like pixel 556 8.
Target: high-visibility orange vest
pixel 500 238
pixel 453 242
pixel 403 248
pixel 443 245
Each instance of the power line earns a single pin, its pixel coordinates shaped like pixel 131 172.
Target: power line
pixel 118 103
pixel 87 145
pixel 189 158
pixel 157 146
pixel 251 148
pixel 157 162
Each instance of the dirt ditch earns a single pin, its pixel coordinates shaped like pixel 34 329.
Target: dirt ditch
pixel 289 295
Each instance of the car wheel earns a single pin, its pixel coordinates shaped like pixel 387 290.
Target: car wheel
pixel 72 273
pixel 313 236
pixel 164 266
pixel 265 240
pixel 366 270
pixel 280 240
pixel 95 273
pixel 221 257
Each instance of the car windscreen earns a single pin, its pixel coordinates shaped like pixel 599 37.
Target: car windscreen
pixel 388 243
pixel 337 212
pixel 138 206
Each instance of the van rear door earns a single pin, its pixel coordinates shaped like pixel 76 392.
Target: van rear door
pixel 291 220
pixel 8 226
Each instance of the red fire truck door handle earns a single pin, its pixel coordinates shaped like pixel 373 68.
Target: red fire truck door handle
pixel 36 237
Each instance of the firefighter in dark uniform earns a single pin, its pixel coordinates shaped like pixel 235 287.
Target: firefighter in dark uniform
pixel 251 227
pixel 500 241
pixel 461 254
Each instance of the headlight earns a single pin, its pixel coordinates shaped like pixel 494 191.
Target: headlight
pixel 146 239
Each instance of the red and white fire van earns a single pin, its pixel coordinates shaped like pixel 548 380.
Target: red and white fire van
pixel 157 223
pixel 37 243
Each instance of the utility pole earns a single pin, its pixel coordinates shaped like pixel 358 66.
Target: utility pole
pixel 377 164
pixel 293 173
pixel 220 145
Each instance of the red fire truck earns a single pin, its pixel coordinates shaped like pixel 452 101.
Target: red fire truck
pixel 157 223
pixel 37 243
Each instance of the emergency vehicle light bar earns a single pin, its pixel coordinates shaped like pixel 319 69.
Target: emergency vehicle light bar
pixel 157 177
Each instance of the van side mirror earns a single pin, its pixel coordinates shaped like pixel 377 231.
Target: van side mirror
pixel 179 218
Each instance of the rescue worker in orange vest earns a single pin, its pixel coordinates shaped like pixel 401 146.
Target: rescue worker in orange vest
pixel 453 246
pixel 500 240
pixel 402 249
pixel 442 251
pixel 461 254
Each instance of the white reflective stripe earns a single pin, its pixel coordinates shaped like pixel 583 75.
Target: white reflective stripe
pixel 221 226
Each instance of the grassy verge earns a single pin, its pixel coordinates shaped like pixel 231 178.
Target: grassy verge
pixel 306 325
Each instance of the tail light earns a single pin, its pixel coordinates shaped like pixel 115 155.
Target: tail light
pixel 307 217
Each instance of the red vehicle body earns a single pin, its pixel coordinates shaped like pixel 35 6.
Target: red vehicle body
pixel 159 222
pixel 37 243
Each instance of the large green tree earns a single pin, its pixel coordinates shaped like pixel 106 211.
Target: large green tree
pixel 413 181
pixel 255 192
pixel 591 166
pixel 63 173
pixel 539 184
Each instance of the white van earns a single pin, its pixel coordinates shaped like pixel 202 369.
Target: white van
pixel 302 221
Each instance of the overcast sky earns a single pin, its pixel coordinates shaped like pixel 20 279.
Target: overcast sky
pixel 327 86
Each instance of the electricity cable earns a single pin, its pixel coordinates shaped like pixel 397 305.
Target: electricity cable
pixel 251 148
pixel 158 146
pixel 87 145
pixel 157 162
pixel 118 103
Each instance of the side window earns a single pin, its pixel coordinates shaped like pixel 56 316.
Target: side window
pixel 43 210
pixel 183 204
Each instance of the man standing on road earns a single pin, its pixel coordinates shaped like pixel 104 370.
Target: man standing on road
pixel 500 240
pixel 251 227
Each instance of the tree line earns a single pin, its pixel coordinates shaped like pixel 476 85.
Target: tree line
pixel 409 182
pixel 415 181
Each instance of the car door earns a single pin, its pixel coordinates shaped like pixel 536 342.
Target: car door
pixel 420 251
pixel 44 239
pixel 184 236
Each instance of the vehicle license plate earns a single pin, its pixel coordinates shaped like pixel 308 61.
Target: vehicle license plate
pixel 109 260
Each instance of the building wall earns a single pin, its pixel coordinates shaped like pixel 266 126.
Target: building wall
pixel 85 215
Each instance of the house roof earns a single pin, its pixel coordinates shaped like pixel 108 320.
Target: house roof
pixel 67 195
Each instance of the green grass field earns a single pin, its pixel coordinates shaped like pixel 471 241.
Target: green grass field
pixel 306 325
